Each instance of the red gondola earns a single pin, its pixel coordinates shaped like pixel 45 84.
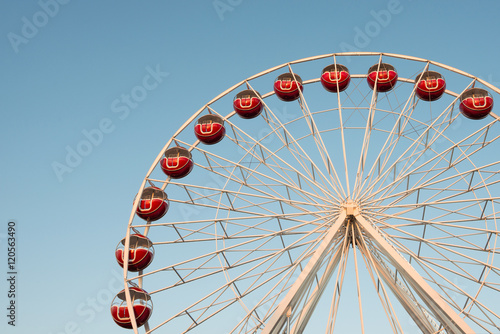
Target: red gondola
pixel 288 86
pixel 153 204
pixel 210 129
pixel 476 103
pixel 384 75
pixel 141 252
pixel 178 162
pixel 141 303
pixel 430 86
pixel 247 104
pixel 335 78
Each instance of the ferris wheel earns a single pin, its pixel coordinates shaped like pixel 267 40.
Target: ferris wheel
pixel 349 191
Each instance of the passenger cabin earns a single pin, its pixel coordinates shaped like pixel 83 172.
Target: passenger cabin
pixel 153 204
pixel 140 255
pixel 177 163
pixel 210 129
pixel 288 86
pixel 141 304
pixel 335 78
pixel 476 103
pixel 382 76
pixel 247 104
pixel 430 86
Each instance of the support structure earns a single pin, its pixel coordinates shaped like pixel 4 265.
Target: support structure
pixel 275 324
pixel 446 316
pixel 450 320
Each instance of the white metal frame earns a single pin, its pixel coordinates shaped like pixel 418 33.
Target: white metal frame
pixel 373 216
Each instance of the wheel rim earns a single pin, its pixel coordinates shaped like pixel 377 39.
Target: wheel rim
pixel 419 172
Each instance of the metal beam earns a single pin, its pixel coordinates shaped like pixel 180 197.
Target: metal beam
pixel 310 305
pixel 278 319
pixel 407 301
pixel 450 320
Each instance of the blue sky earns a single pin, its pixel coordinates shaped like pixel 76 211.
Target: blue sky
pixel 71 74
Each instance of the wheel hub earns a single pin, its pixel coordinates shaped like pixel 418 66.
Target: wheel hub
pixel 350 207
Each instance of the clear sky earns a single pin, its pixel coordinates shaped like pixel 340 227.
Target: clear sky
pixel 65 68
